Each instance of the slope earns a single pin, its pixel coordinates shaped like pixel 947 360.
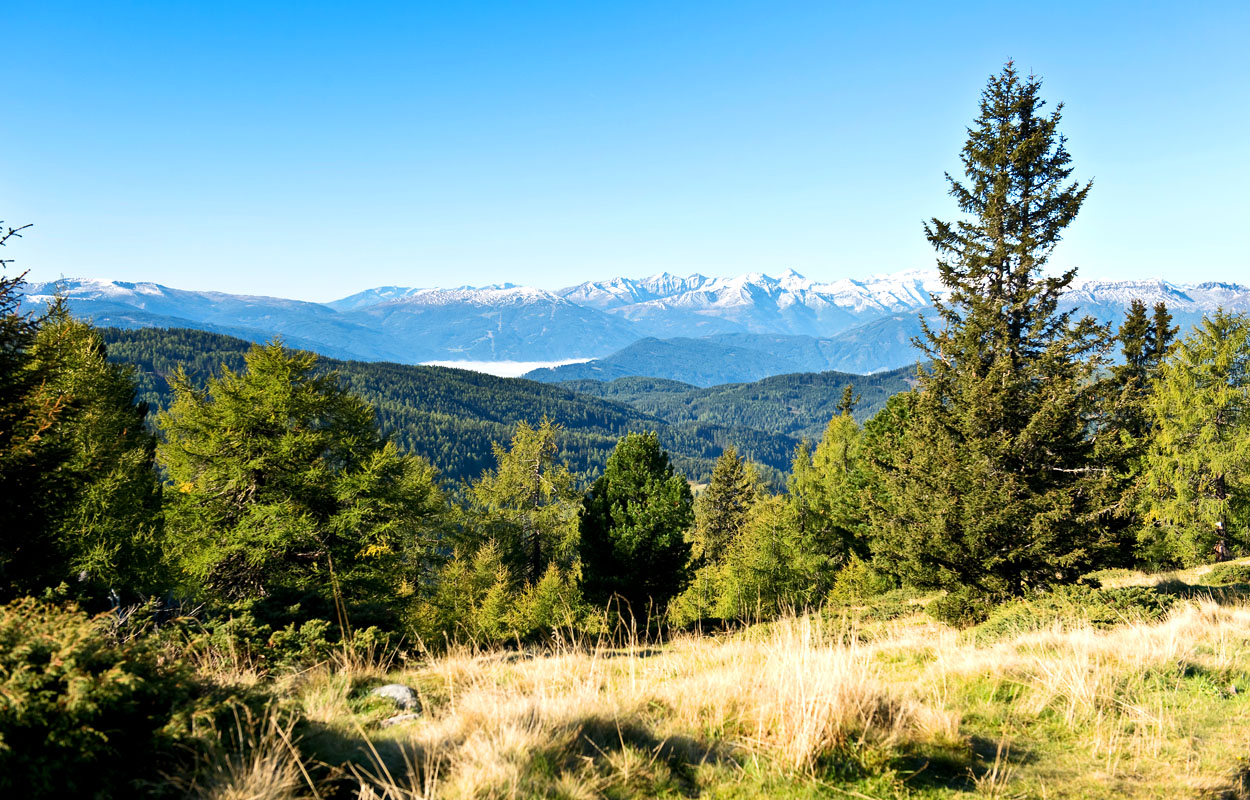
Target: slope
pixel 452 416
pixel 797 405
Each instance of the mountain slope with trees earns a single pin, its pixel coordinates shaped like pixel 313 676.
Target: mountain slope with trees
pixel 452 417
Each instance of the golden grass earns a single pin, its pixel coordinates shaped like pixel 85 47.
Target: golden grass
pixel 1142 709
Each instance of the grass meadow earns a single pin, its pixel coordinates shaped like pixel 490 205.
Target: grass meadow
pixel 846 703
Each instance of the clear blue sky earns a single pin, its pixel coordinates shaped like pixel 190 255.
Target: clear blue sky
pixel 313 150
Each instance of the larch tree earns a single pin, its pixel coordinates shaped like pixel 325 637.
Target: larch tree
pixel 529 503
pixel 1197 478
pixel 281 487
pixel 989 487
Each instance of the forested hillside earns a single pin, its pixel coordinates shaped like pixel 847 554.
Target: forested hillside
pixel 798 405
pixel 452 416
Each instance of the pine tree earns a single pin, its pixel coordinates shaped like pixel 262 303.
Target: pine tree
pixel 35 485
pixel 634 527
pixel 1123 430
pixel 280 486
pixel 846 406
pixel 990 482
pixel 1197 480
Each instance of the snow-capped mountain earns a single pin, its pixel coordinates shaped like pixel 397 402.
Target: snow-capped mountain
pixel 865 323
pixel 666 305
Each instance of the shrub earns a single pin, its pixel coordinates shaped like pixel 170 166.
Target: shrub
pixel 961 608
pixel 298 644
pixel 857 583
pixel 1076 605
pixel 81 715
pixel 1227 574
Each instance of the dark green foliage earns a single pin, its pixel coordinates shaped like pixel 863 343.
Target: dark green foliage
pixel 720 511
pixel 633 527
pixel 1162 332
pixel 280 484
pixel 962 607
pixel 270 642
pixel 79 500
pixel 988 491
pixel 108 536
pixel 794 405
pixel 1073 605
pixel 80 715
pixel 34 483
pixel 451 417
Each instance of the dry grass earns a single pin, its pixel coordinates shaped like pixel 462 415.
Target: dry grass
pixel 1148 710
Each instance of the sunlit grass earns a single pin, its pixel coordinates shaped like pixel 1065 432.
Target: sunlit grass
pixel 795 708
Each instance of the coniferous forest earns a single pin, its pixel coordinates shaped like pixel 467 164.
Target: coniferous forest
pixel 211 553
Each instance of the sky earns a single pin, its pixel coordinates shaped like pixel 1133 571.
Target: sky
pixel 313 150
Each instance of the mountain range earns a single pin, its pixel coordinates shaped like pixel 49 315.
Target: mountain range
pixel 696 329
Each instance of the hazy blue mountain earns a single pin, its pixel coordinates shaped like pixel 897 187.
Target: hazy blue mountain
pixel 697 329
pixel 882 344
pixel 499 323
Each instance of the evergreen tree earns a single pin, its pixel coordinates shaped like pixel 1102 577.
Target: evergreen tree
pixel 1135 337
pixel 846 406
pixel 1161 334
pixel 634 526
pixel 108 534
pixel 990 484
pixel 35 485
pixel 529 504
pixel 1197 480
pixel 826 490
pixel 720 512
pixel 281 486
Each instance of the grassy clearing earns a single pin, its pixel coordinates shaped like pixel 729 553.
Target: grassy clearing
pixel 799 708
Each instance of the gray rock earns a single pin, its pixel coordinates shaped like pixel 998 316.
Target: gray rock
pixel 399 718
pixel 404 697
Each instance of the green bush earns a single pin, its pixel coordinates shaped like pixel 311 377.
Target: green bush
pixel 296 645
pixel 1079 604
pixel 1227 574
pixel 82 715
pixel 961 608
pixel 858 583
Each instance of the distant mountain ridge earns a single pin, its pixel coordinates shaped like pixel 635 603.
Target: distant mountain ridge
pixel 848 325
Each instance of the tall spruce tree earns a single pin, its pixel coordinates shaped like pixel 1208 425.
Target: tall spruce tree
pixel 1123 428
pixel 1162 332
pixel 1197 479
pixel 720 512
pixel 988 487
pixel 634 527
pixel 35 484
